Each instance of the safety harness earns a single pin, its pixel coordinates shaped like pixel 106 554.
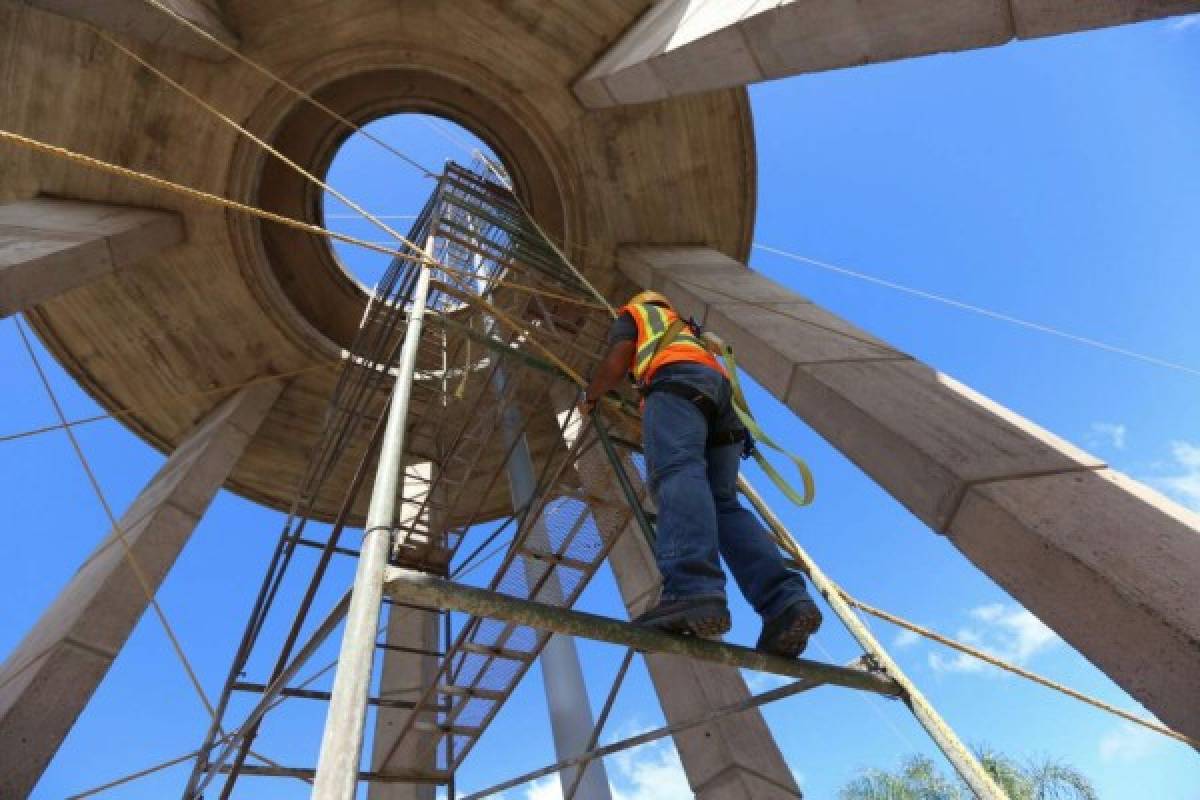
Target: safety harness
pixel 677 333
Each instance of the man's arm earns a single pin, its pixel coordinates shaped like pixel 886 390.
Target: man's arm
pixel 609 372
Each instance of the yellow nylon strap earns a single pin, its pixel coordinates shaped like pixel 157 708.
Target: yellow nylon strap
pixel 742 409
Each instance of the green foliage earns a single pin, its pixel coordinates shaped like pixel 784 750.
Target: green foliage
pixel 920 779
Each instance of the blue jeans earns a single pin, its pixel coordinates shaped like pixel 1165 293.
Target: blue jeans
pixel 699 515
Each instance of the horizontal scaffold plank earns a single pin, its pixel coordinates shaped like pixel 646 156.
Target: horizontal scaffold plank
pixel 493 605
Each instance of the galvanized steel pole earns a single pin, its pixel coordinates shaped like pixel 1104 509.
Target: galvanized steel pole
pixel 428 589
pixel 342 743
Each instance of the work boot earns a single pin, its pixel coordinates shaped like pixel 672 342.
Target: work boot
pixel 786 634
pixel 704 615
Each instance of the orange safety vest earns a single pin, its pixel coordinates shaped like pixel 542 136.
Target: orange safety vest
pixel 653 353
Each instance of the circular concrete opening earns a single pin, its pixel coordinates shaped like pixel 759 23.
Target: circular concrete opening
pixel 393 189
pixel 321 291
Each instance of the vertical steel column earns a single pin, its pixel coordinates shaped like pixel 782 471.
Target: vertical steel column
pixel 342 742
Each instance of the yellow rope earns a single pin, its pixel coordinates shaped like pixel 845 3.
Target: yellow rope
pixel 553 246
pixel 262 144
pixel 520 287
pixel 789 545
pixel 300 93
pixel 170 400
pixel 139 574
pixel 195 194
pixel 512 325
pixel 604 304
pixel 1015 670
pixel 212 199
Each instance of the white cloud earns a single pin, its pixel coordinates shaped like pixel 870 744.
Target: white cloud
pixel 905 639
pixel 1128 742
pixel 547 788
pixel 1184 484
pixel 651 772
pixel 1111 434
pixel 1007 632
pixel 759 682
pixel 1187 23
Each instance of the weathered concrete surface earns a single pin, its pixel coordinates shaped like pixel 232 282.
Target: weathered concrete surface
pixel 49 678
pixel 50 246
pixel 247 298
pixel 1036 18
pixel 734 758
pixel 1106 562
pixel 684 46
pixel 139 20
pixel 406 675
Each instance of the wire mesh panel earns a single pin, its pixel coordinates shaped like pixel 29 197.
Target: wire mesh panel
pixel 534 327
pixel 509 325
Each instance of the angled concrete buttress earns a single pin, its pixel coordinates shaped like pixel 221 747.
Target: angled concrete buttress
pixel 409 671
pixel 680 47
pixel 140 20
pixel 50 246
pixel 50 677
pixel 1107 563
pixel 733 758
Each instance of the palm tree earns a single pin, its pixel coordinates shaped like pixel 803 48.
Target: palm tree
pixel 917 779
pixel 920 779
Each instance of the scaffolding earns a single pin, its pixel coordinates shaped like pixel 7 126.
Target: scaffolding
pixel 469 357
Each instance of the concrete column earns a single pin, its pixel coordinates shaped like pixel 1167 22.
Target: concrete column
pixel 50 246
pixel 406 675
pixel 139 20
pixel 734 758
pixel 679 47
pixel 1107 563
pixel 47 681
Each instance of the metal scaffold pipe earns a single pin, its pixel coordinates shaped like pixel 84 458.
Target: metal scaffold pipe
pixel 961 758
pixel 422 587
pixel 342 742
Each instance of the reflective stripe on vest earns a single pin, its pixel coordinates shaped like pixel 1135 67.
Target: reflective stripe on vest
pixel 653 351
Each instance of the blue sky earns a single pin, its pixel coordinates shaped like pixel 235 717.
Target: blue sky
pixel 1054 181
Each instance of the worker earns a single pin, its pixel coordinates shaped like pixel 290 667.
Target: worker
pixel 693 443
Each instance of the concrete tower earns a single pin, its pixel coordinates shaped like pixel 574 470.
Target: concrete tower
pixel 625 129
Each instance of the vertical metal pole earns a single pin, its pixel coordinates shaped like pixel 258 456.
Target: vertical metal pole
pixel 342 743
pixel 962 759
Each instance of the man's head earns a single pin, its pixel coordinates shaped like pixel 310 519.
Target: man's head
pixel 651 298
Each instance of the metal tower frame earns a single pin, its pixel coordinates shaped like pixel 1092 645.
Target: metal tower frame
pixel 490 324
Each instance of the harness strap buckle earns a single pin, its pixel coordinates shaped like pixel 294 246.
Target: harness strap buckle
pixel 707 407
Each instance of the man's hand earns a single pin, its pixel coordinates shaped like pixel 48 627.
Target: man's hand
pixel 586 406
pixel 609 372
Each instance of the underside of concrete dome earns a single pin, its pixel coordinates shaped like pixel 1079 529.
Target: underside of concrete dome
pixel 213 319
pixel 240 298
